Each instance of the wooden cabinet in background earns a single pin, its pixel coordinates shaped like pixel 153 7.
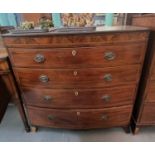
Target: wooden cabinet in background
pixel 9 91
pixel 4 94
pixel 7 77
pixel 144 110
pixel 79 80
pixel 4 66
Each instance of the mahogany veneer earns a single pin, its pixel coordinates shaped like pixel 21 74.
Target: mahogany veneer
pixel 79 80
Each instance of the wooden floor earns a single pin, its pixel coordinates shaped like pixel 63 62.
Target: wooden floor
pixel 12 129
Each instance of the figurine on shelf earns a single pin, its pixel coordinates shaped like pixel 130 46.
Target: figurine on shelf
pixel 45 23
pixel 27 25
pixel 77 19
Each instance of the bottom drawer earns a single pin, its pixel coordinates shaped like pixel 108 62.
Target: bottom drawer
pixel 80 118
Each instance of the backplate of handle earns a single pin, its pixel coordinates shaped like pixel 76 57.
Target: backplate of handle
pixel 106 98
pixel 107 77
pixel 39 58
pixel 109 55
pixel 51 117
pixel 43 78
pixel 47 98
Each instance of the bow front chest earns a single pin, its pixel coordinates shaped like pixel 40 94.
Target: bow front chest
pixel 78 80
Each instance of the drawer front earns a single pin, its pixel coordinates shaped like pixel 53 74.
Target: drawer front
pixel 80 98
pixel 78 57
pixel 52 118
pixel 109 117
pixel 80 119
pixel 78 78
pixel 70 40
pixel 151 92
pixel 148 113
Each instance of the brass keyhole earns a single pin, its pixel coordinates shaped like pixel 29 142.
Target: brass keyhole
pixel 78 113
pixel 104 117
pixel 74 52
pixel 75 73
pixel 76 93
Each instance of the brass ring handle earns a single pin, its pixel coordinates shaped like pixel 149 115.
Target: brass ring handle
pixel 47 98
pixel 104 117
pixel 39 58
pixel 43 78
pixel 106 98
pixel 109 55
pixel 74 52
pixel 51 117
pixel 107 77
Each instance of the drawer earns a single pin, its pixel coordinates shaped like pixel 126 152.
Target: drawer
pixel 77 38
pixel 78 78
pixel 80 98
pixel 101 56
pixel 148 114
pixel 80 119
pixel 151 92
pixel 52 118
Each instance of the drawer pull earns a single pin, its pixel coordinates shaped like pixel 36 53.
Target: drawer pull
pixel 76 93
pixel 74 52
pixel 47 98
pixel 39 58
pixel 75 73
pixel 106 98
pixel 50 117
pixel 109 55
pixel 108 77
pixel 43 78
pixel 104 117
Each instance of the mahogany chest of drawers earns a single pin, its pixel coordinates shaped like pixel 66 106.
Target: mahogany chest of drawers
pixel 79 80
pixel 144 111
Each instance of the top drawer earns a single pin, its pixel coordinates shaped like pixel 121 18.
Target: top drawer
pixel 76 39
pixel 101 56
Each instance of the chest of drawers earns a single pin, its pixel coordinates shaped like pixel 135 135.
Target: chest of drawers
pixel 79 80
